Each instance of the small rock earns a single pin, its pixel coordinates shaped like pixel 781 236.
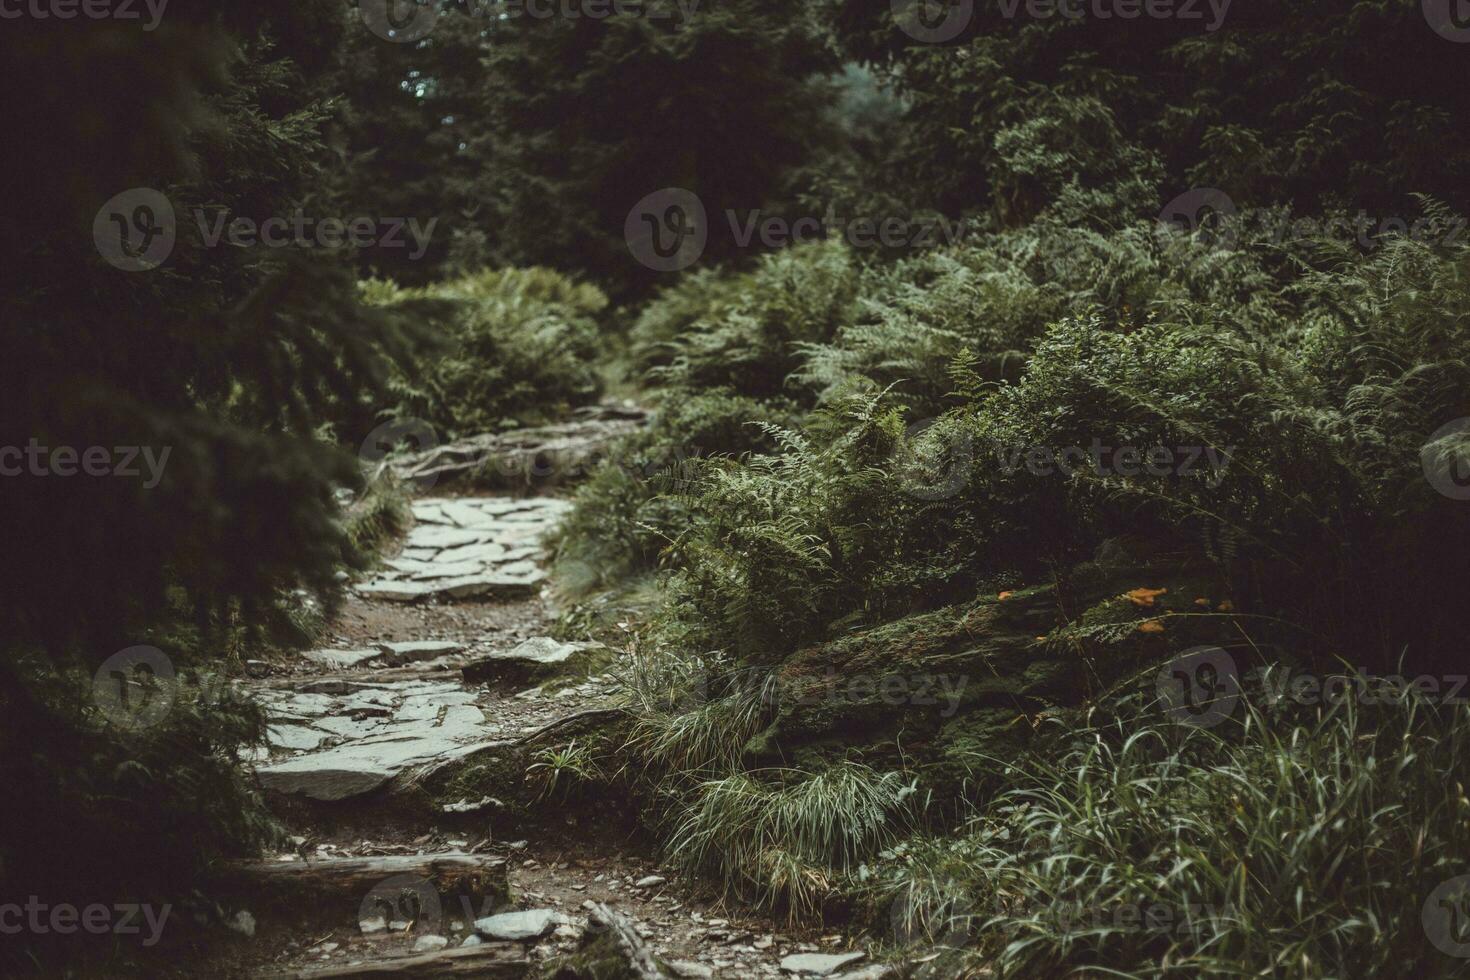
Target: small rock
pixel 243 923
pixel 819 964
pixel 652 881
pixel 687 968
pixel 519 926
pixel 372 925
pixel 472 940
pixel 430 944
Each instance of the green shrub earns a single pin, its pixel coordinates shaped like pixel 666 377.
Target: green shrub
pixel 785 837
pixel 637 500
pixel 744 332
pixel 515 347
pixel 1292 844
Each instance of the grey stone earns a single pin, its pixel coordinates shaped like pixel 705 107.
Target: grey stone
pixel 819 964
pixel 367 764
pixel 519 926
pixel 437 536
pixel 341 659
pixel 294 737
pixel 243 923
pixel 528 662
pixel 427 571
pixel 419 650
pixel 394 591
pixel 430 944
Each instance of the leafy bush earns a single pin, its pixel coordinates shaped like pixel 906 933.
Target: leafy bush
pixel 1293 844
pixel 744 332
pixel 786 836
pixel 638 499
pixel 517 346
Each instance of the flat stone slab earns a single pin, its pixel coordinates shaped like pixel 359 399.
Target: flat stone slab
pixel 413 650
pixel 394 591
pixel 367 764
pixel 530 661
pixel 819 964
pixel 341 659
pixel 295 737
pixel 520 926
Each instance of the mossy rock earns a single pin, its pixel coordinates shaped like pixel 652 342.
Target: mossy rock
pixel 935 682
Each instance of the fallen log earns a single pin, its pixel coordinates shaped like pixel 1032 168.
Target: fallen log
pixel 499 961
pixel 422 888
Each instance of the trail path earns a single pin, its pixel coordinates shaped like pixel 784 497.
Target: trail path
pixel 355 727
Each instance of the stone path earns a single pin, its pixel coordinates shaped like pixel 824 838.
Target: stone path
pixel 441 658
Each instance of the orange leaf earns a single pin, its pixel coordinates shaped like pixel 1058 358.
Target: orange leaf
pixel 1151 626
pixel 1226 606
pixel 1144 597
pixel 1004 596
